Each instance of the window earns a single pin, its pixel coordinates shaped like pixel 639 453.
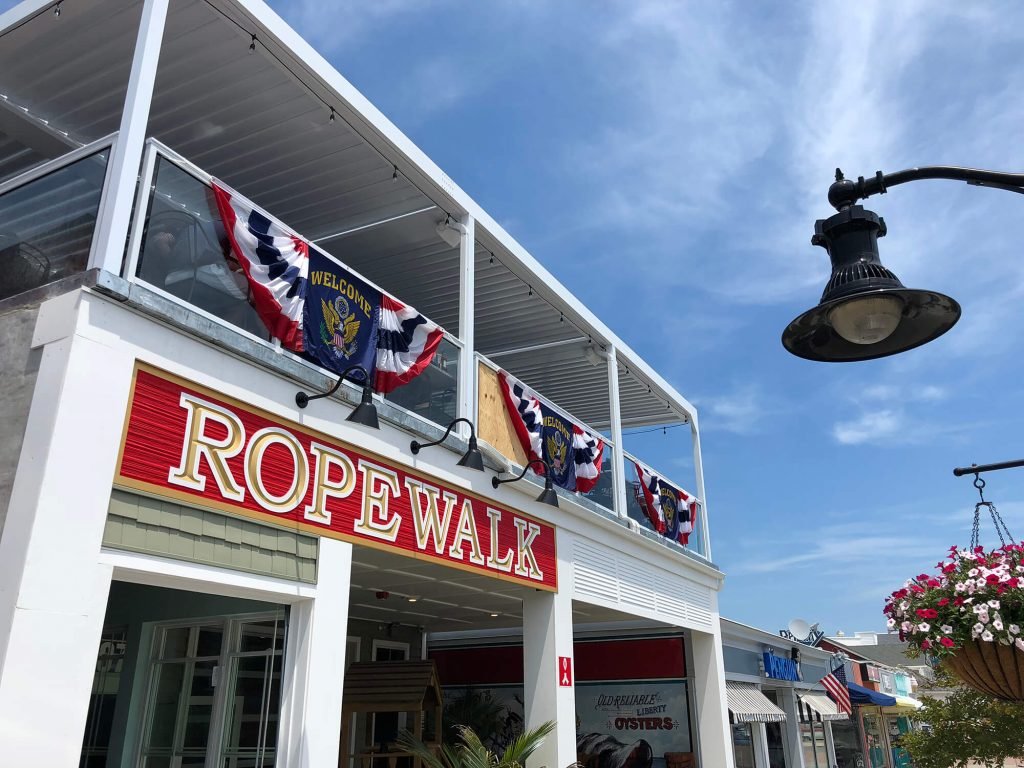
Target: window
pixel 743 745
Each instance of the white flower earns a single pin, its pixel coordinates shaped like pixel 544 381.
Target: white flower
pixel 981 608
pixel 890 623
pixel 924 626
pixel 993 604
pixel 946 629
pixel 906 626
pixel 1019 643
pixel 973 572
pixel 1014 629
pixel 978 629
pixel 997 624
pixel 960 587
pixel 987 636
pixel 968 599
pixel 983 617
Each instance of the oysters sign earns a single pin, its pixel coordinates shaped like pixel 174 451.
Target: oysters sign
pixel 186 442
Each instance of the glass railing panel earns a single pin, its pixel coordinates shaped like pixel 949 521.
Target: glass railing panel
pixel 47 225
pixel 434 393
pixel 185 251
pixel 604 492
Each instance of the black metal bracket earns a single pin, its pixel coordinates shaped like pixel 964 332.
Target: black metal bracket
pixel 976 469
pixel 302 399
pixel 846 192
pixel 496 481
pixel 416 446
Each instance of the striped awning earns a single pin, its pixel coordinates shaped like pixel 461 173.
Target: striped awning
pixel 748 705
pixel 818 706
pixel 905 704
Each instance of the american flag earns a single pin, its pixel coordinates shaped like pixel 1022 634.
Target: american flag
pixel 835 686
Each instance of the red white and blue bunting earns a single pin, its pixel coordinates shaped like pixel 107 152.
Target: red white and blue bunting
pixel 574 454
pixel 671 511
pixel 346 321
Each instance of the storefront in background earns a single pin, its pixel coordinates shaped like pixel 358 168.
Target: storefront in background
pixel 780 715
pixel 632 695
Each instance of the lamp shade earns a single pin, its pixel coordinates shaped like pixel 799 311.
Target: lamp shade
pixel 366 412
pixel 865 311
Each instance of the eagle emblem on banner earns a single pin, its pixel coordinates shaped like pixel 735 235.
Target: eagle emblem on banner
pixel 340 326
pixel 557 451
pixel 668 507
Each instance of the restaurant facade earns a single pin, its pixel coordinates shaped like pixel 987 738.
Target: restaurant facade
pixel 219 549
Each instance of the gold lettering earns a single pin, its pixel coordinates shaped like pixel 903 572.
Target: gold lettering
pixel 425 518
pixel 324 488
pixel 254 453
pixel 198 444
pixel 379 484
pixel 466 532
pixel 526 564
pixel 503 563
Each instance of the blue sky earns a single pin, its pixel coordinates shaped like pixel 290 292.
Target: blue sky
pixel 666 161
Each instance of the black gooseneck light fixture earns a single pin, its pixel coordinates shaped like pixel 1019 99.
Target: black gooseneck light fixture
pixel 365 413
pixel 548 495
pixel 865 311
pixel 472 458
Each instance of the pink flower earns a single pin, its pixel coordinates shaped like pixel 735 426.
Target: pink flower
pixel 943 601
pixel 925 644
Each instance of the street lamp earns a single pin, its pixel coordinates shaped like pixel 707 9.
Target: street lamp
pixel 865 311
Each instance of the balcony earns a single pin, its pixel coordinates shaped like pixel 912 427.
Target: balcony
pixel 345 180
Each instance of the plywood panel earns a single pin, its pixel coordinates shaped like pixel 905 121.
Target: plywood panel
pixel 494 424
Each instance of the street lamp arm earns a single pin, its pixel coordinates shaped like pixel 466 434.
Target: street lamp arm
pixel 846 192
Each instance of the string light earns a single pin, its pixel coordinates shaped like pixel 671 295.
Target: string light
pixel 394 174
pixel 56 11
pixel 252 45
pixel 531 290
pixel 332 115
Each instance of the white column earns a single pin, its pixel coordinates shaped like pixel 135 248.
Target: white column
pixel 467 309
pixel 760 739
pixel 126 156
pixel 314 676
pixel 698 470
pixel 791 728
pixel 713 730
pixel 547 635
pixel 830 745
pixel 618 453
pixel 53 590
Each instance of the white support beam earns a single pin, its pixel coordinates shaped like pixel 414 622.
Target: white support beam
pixel 618 450
pixel 126 156
pixel 713 729
pixel 467 309
pixel 698 471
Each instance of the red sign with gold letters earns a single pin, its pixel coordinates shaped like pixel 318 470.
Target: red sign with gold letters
pixel 189 443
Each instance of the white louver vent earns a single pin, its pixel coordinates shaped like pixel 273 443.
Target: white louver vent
pixel 606 577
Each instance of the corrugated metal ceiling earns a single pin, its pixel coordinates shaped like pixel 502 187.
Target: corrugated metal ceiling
pixel 266 131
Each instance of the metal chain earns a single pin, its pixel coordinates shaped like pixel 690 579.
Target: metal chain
pixel 997 520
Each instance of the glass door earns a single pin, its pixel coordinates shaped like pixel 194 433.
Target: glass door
pixel 214 694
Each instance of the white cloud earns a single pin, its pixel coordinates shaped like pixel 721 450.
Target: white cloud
pixel 740 412
pixel 869 427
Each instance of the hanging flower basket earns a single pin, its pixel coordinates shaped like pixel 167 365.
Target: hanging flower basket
pixel 992 668
pixel 969 615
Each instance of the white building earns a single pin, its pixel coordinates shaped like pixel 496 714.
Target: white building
pixel 188 560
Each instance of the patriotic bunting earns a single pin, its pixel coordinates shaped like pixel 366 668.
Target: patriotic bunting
pixel 671 511
pixel 406 343
pixel 573 454
pixel 315 306
pixel 275 262
pixel 588 453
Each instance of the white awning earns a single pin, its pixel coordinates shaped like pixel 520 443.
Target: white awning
pixel 818 706
pixel 904 704
pixel 748 705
